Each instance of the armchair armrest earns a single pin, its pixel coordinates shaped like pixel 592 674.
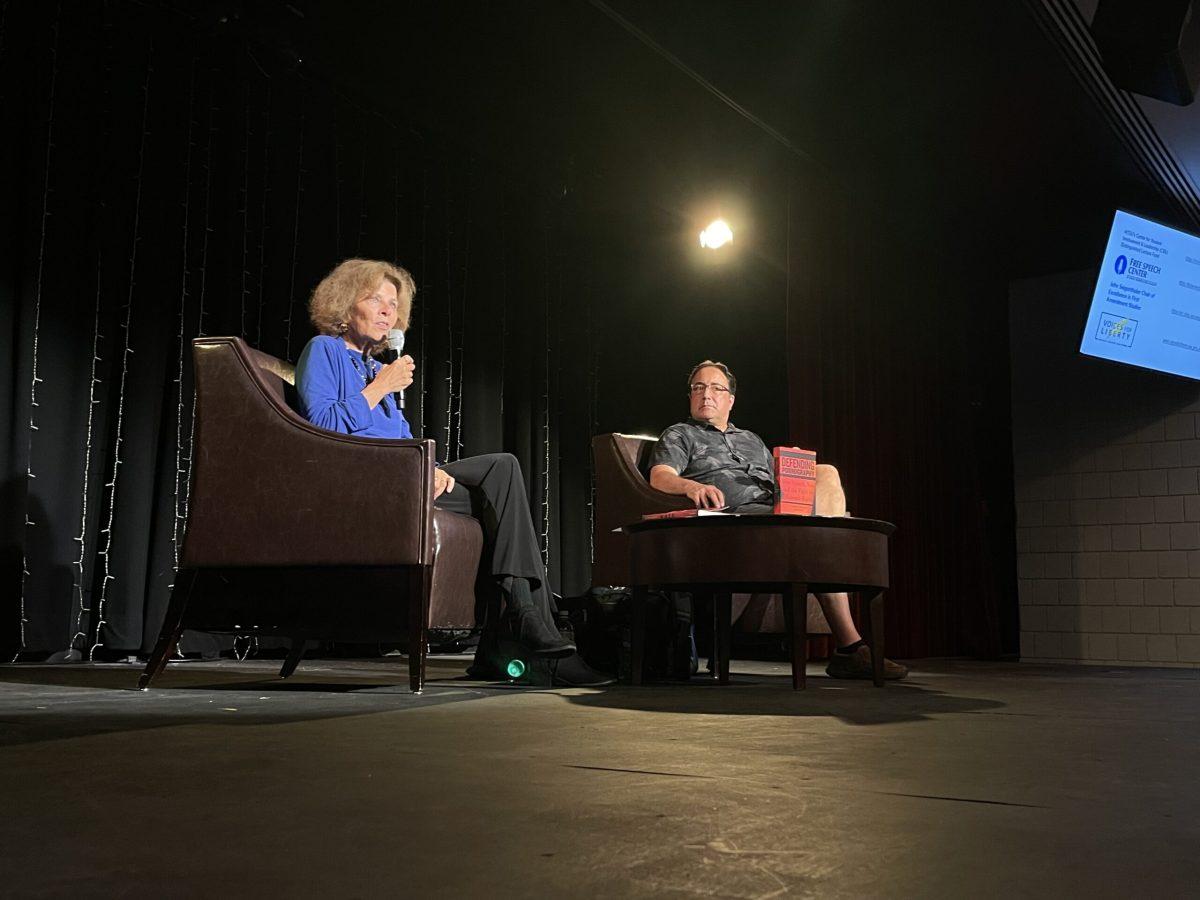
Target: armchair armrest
pixel 623 496
pixel 271 489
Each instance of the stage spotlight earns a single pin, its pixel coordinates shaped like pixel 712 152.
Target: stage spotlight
pixel 717 234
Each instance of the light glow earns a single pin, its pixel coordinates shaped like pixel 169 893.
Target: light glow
pixel 717 234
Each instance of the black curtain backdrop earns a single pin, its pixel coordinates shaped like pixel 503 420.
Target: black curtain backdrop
pixel 163 179
pixel 165 182
pixel 897 354
pixel 160 185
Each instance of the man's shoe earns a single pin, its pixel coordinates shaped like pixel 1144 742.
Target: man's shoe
pixel 574 672
pixel 858 665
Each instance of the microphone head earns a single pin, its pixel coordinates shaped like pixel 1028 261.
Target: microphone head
pixel 395 341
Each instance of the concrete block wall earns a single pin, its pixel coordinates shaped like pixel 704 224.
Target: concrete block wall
pixel 1107 480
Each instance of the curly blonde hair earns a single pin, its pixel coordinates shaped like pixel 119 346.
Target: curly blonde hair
pixel 330 304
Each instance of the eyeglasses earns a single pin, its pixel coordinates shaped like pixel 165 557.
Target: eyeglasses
pixel 700 387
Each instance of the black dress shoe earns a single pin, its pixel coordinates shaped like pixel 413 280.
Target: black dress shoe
pixel 482 670
pixel 574 672
pixel 527 625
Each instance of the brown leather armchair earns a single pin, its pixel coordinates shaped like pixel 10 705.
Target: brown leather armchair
pixel 624 495
pixel 297 531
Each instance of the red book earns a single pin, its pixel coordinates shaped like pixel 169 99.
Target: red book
pixel 795 481
pixel 686 514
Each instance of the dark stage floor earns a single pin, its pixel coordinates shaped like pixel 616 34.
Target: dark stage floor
pixel 968 780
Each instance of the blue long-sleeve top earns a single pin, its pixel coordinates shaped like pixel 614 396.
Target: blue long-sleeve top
pixel 329 379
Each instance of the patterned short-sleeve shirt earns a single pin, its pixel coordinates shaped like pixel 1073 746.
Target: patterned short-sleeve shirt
pixel 734 460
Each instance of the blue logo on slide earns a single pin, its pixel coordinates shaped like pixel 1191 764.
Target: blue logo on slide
pixel 1121 264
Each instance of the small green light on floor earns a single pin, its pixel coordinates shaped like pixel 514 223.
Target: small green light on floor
pixel 515 668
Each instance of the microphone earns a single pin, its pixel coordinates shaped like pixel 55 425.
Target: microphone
pixel 395 347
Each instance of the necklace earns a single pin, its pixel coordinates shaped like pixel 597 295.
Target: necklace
pixel 364 366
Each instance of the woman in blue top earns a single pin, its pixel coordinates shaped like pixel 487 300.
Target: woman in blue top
pixel 344 389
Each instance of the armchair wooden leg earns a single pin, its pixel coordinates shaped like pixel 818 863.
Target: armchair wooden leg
pixel 795 610
pixel 172 627
pixel 722 634
pixel 875 638
pixel 295 654
pixel 637 632
pixel 419 584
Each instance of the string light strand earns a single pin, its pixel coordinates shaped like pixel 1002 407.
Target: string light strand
pixel 424 270
pixel 107 531
pixel 35 378
pixel 546 409
pixel 462 322
pixel 79 637
pixel 180 517
pixel 185 483
pixel 449 304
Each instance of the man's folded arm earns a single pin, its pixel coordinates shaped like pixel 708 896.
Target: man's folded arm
pixel 666 479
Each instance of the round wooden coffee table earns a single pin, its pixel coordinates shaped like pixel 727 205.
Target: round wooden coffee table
pixel 790 555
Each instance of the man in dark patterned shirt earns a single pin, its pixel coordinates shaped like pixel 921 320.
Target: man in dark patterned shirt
pixel 717 465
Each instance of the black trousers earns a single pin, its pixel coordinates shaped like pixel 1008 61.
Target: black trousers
pixel 491 489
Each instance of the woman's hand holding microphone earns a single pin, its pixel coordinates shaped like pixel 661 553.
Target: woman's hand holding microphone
pixel 393 377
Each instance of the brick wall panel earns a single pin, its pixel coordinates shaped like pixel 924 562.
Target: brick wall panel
pixel 1173 564
pixel 1056 512
pixel 1161 648
pixel 1091 618
pixel 1165 455
pixel 1182 481
pixel 1175 619
pixel 1168 509
pixel 1185 536
pixel 1062 618
pixel 1137 456
pixel 1144 620
pixel 1114 565
pixel 1131 647
pixel 1126 537
pixel 1156 537
pixel 1139 509
pixel 1188 647
pixel 1180 427
pixel 1110 459
pixel 1159 591
pixel 1143 564
pixel 1107 486
pixel 1045 592
pixel 1115 620
pixel 1123 484
pixel 1048 645
pixel 1187 591
pixel 1129 591
pixel 1101 647
pixel 1099 592
pixel 1074 647
pixel 1057 565
pixel 1152 482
